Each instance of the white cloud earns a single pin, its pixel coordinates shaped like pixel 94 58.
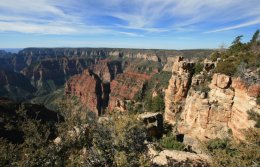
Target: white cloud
pixel 131 34
pixel 151 16
pixel 246 24
pixel 35 28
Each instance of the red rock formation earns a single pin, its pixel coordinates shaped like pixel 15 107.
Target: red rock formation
pixel 88 89
pixel 125 87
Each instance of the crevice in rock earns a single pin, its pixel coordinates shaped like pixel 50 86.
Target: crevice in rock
pixel 105 97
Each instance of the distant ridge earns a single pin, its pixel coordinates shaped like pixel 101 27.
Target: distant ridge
pixel 12 50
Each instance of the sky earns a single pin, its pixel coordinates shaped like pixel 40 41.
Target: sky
pixel 156 24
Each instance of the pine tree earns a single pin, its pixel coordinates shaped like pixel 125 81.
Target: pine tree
pixel 256 38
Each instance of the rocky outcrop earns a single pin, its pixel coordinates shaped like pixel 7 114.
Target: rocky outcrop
pixel 222 111
pixel 205 109
pixel 153 123
pixel 125 87
pixel 88 88
pixel 178 158
pixel 178 88
pixel 244 100
pixel 209 65
pixel 169 63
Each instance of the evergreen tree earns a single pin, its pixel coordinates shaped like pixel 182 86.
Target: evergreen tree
pixel 256 38
pixel 237 40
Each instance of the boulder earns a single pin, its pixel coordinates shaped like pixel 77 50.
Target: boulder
pixel 154 124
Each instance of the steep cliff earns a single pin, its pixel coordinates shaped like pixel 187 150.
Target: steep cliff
pixel 88 88
pixel 126 87
pixel 15 86
pixel 49 74
pixel 178 88
pixel 208 110
pixel 220 112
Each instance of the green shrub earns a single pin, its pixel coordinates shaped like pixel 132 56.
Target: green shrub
pixel 232 58
pixel 226 67
pixel 214 56
pixel 255 116
pixel 217 144
pixel 170 142
pixel 258 100
pixel 155 104
pixel 198 68
pixel 236 153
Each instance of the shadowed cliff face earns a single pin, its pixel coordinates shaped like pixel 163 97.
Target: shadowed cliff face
pixel 121 82
pixel 15 86
pixel 55 70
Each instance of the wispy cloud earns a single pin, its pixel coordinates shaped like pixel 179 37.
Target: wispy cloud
pixel 246 24
pixel 35 28
pixel 131 34
pixel 132 18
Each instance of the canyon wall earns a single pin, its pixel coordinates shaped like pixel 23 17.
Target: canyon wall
pixel 88 88
pixel 56 70
pixel 209 109
pixel 125 88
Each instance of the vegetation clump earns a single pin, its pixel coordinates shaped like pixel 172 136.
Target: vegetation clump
pixel 198 68
pixel 254 116
pixel 237 54
pixel 78 141
pixel 228 152
pixel 171 142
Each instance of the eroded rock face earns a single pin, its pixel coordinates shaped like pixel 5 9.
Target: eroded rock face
pixel 107 70
pixel 88 88
pixel 169 64
pixel 244 101
pixel 125 87
pixel 178 88
pixel 57 71
pixel 220 81
pixel 220 112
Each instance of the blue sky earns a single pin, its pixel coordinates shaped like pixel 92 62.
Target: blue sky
pixel 162 24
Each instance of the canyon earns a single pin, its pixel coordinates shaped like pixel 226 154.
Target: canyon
pixel 176 93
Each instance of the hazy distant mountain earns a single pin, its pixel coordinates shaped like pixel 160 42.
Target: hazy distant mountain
pixel 12 50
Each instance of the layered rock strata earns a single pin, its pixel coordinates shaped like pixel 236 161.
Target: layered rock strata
pixel 208 111
pixel 126 87
pixel 88 88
